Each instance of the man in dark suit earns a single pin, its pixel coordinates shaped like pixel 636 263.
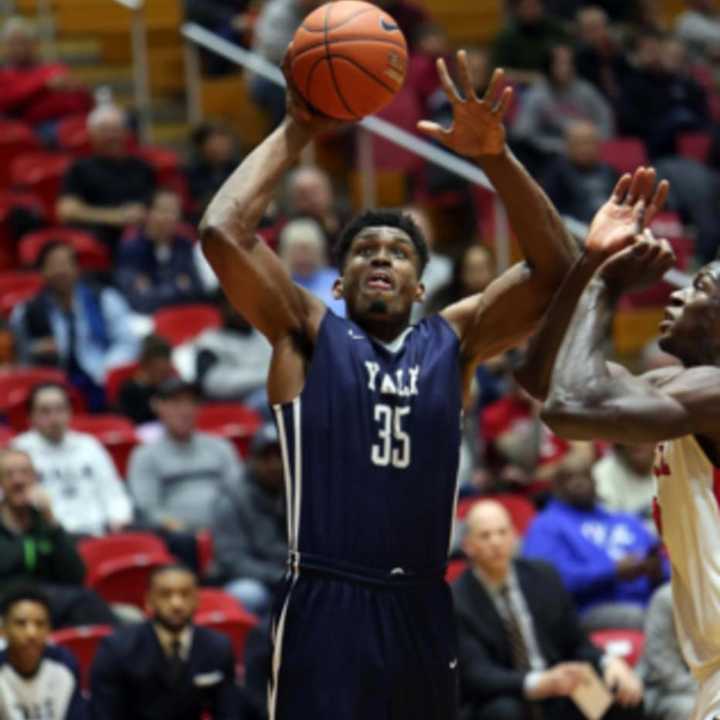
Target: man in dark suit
pixel 521 649
pixel 166 668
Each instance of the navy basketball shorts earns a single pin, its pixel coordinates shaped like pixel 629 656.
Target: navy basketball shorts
pixel 348 650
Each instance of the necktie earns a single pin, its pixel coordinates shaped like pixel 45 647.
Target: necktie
pixel 176 664
pixel 521 658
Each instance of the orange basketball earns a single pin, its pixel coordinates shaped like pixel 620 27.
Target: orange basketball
pixel 348 59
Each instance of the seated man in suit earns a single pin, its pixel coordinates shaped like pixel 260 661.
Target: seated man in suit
pixel 166 667
pixel 521 649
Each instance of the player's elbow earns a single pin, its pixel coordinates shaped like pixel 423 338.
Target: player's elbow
pixel 565 419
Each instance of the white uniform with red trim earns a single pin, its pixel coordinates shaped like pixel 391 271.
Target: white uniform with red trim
pixel 690 526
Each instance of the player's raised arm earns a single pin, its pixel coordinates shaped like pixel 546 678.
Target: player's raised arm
pixel 514 303
pixel 620 222
pixel 250 273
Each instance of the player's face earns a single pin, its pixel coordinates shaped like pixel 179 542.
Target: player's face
pixel 27 626
pixel 692 317
pixel 173 599
pixel 380 278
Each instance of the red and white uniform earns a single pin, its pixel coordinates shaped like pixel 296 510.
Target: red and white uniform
pixel 690 518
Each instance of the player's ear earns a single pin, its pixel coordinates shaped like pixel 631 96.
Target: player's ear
pixel 420 293
pixel 337 288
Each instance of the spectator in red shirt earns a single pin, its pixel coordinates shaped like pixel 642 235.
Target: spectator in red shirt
pixel 36 92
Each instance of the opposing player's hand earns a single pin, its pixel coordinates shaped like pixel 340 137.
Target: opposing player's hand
pixel 631 208
pixel 477 128
pixel 306 117
pixel 623 683
pixel 638 266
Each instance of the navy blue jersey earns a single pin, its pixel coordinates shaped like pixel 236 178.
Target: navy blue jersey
pixel 371 448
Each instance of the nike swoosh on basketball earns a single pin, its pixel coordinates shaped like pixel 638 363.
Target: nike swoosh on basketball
pixel 385 25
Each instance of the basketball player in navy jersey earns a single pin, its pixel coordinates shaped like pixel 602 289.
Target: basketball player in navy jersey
pixel 368 411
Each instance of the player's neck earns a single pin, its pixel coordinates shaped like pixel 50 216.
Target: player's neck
pixel 384 329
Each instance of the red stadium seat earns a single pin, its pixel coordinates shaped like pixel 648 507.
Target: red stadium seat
pixel 213 600
pixel 115 378
pixel 83 643
pixel 628 644
pixel 115 432
pixel 521 510
pixel 118 545
pixel 234 422
pixel 182 323
pixel 125 579
pixel 205 551
pixel 455 569
pixel 42 174
pixel 16 287
pixel 625 154
pixel 6 435
pixel 15 139
pixel 165 162
pixel 91 253
pixel 695 146
pixel 73 136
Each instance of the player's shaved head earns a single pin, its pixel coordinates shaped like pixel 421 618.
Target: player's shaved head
pixel 490 539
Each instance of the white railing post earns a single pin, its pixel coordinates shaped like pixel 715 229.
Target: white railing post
pixel 193 83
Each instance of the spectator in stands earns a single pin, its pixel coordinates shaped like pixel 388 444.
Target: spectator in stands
pixel 410 17
pixel 303 249
pixel 624 481
pixel 175 480
pixel 155 367
pixel 249 528
pixel 36 92
pixel 523 46
pixel 699 27
pixel 608 560
pixel 471 274
pixel 215 156
pixel 599 58
pixel 431 43
pixel 34 548
pixel 156 265
pixel 232 361
pixel 522 651
pixel 111 189
pixel 310 194
pixel 166 667
pixel 87 495
pixel 670 688
pixel 71 324
pixel 578 182
pixel 557 101
pixel 274 29
pixel 37 679
pixel 657 102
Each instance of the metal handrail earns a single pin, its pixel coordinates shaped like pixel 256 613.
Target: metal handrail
pixel 196 35
pixel 141 78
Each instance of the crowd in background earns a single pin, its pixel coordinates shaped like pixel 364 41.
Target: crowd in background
pixel 585 74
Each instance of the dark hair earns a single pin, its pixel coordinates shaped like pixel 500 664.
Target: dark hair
pixel 202 132
pixel 548 59
pixel 37 389
pixel 170 567
pixel 22 593
pixel 377 218
pixel 154 346
pixel 51 247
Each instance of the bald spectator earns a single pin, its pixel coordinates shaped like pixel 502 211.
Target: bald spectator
pixel 578 182
pixel 310 193
pixel 699 27
pixel 599 57
pixel 111 188
pixel 556 102
pixel 522 650
pixel 303 250
pixel 36 92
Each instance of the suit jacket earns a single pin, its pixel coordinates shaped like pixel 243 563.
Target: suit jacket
pixel 129 678
pixel 485 654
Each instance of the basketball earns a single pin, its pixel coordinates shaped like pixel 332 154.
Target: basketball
pixel 348 59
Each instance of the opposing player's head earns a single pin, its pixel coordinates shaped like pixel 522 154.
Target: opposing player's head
pixel 381 255
pixel 690 329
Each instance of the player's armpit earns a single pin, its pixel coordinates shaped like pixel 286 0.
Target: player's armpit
pixel 630 409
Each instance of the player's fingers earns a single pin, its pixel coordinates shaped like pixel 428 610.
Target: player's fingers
pixel 504 102
pixel 433 130
pixel 466 83
pixel 638 213
pixel 658 200
pixel 621 188
pixel 492 88
pixel 446 81
pixel 635 186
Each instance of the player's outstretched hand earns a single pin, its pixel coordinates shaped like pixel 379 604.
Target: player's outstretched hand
pixel 631 208
pixel 477 128
pixel 309 119
pixel 638 266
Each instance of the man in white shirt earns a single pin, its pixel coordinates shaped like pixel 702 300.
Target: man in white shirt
pixel 87 494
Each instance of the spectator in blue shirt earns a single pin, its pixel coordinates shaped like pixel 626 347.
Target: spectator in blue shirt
pixel 608 560
pixel 71 324
pixel 156 266
pixel 37 680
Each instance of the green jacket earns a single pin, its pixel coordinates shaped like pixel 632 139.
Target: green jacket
pixel 42 553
